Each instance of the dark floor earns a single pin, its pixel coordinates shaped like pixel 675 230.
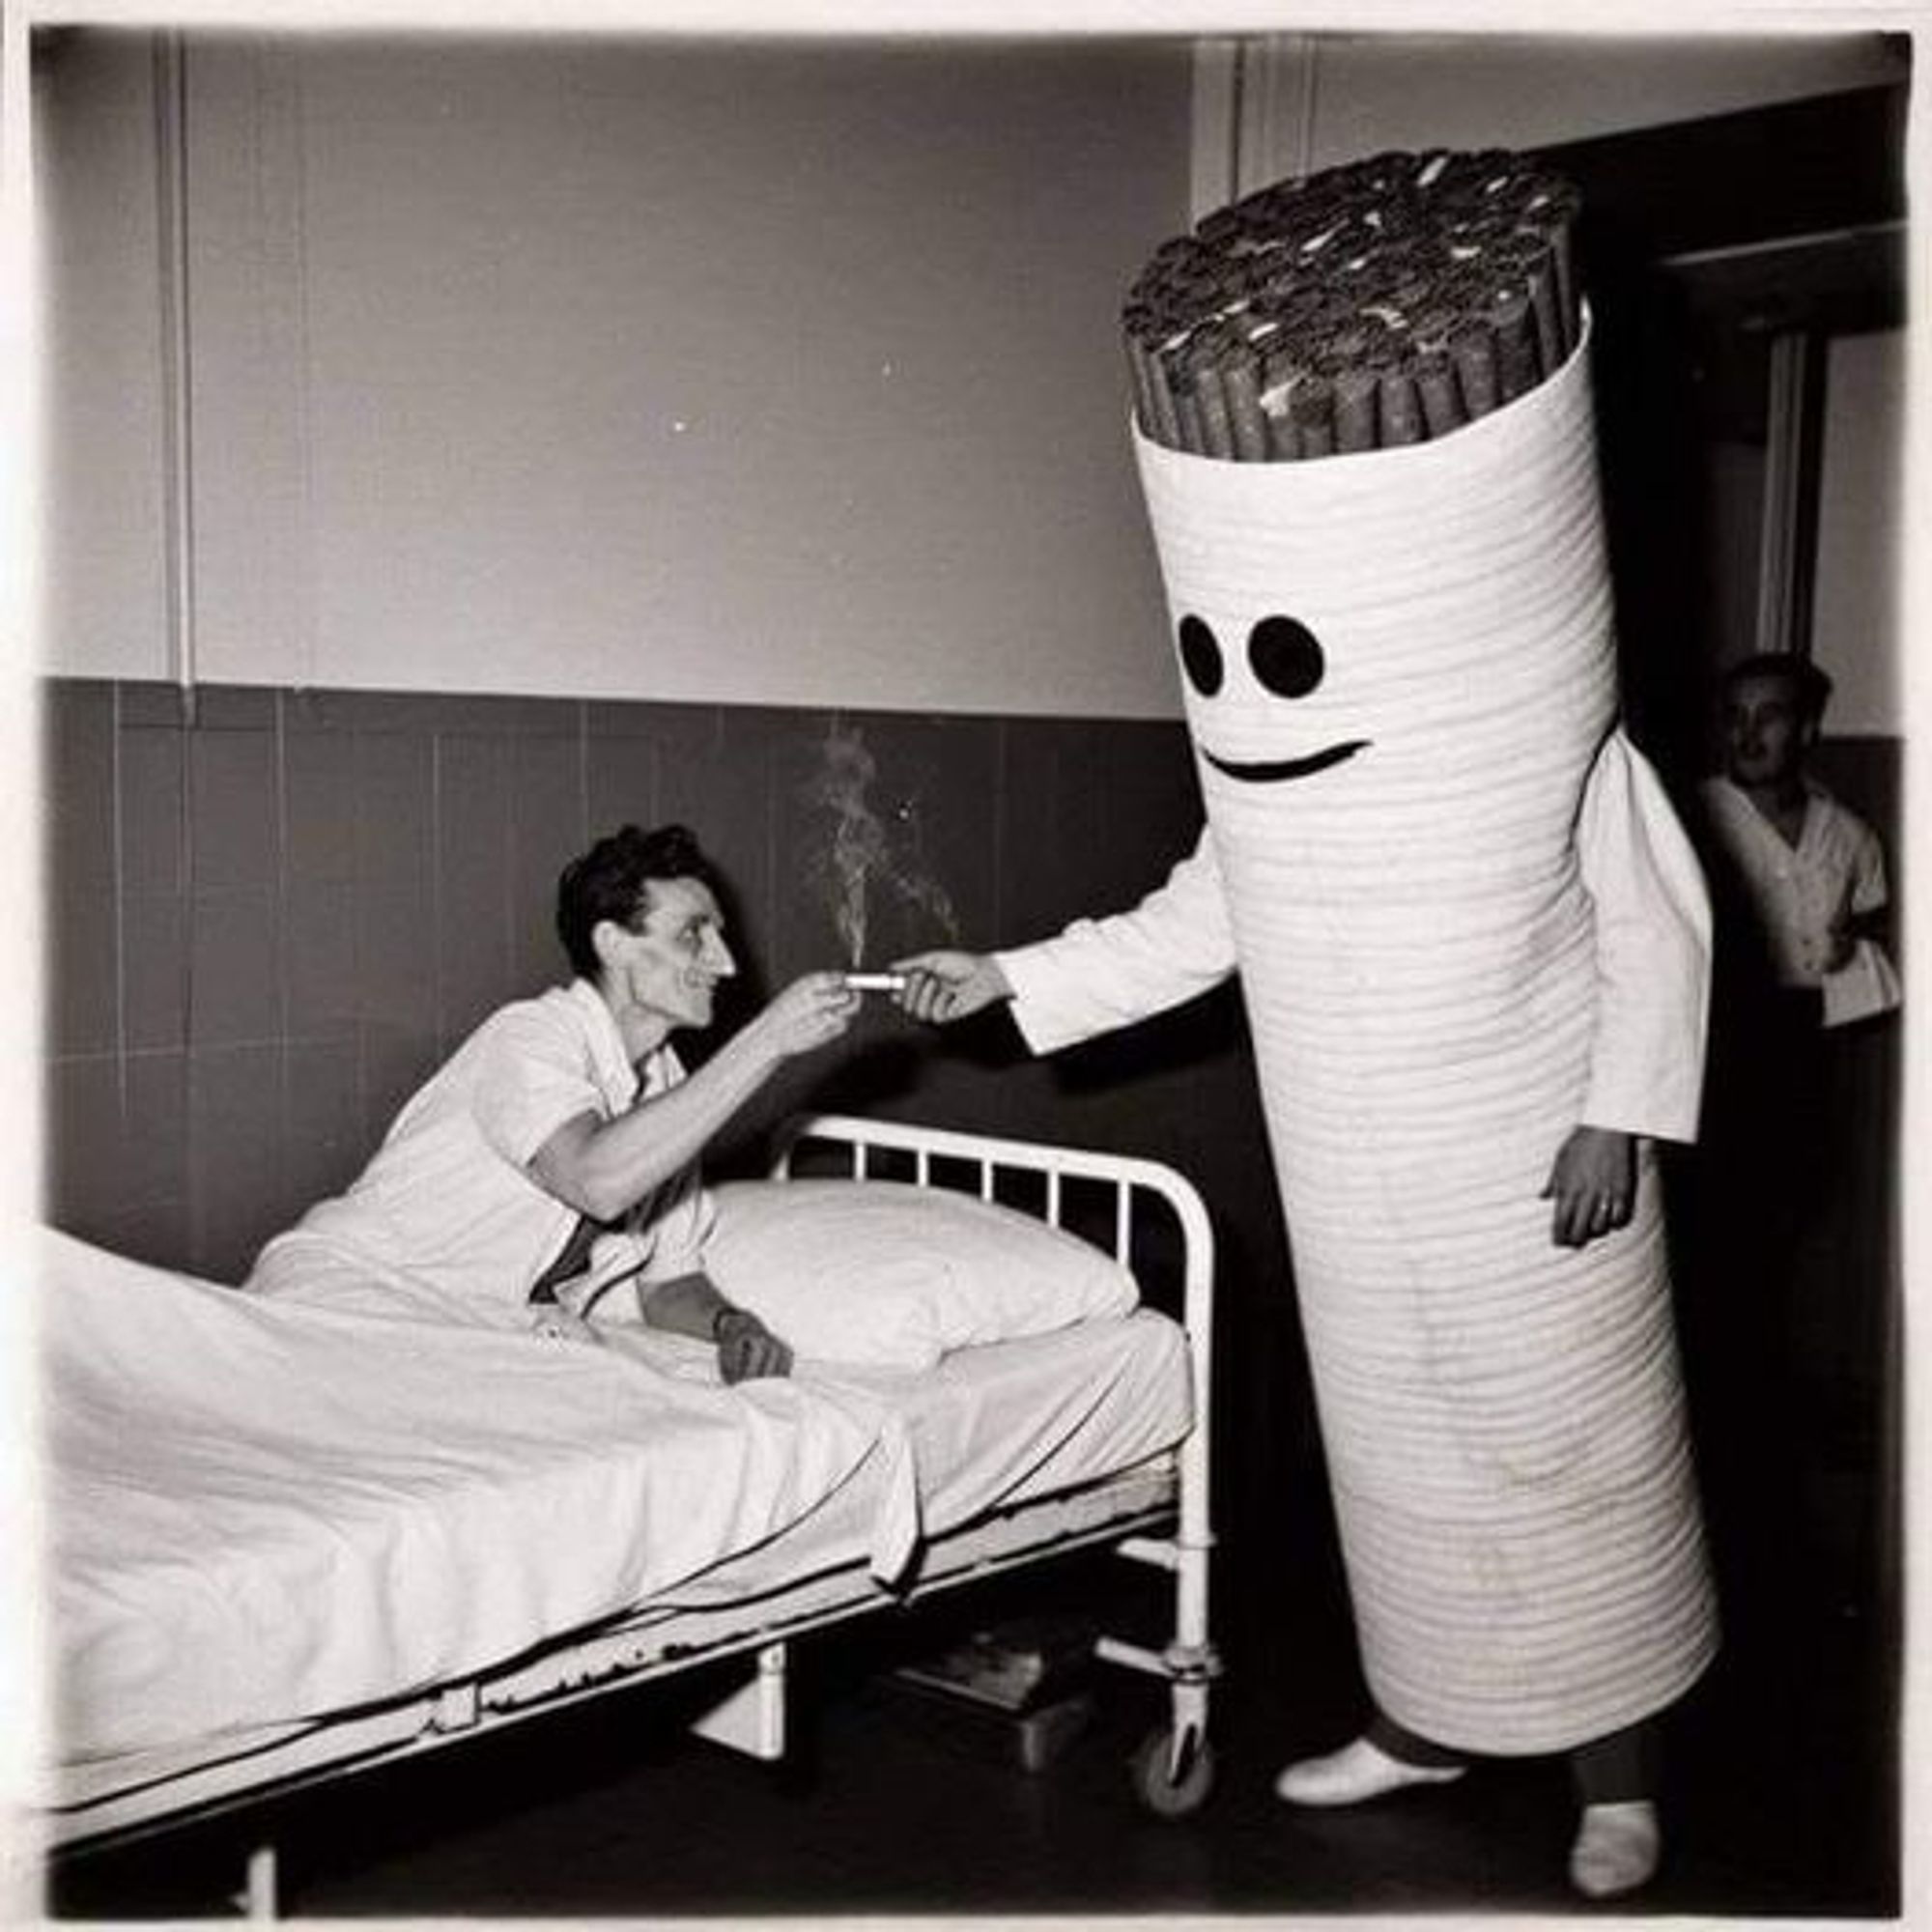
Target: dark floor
pixel 1780 1791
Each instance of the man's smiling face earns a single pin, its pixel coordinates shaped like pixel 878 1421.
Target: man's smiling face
pixel 1284 660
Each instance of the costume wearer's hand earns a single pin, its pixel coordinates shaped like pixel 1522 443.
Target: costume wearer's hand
pixel 561 1325
pixel 1593 1184
pixel 810 1011
pixel 747 1347
pixel 943 987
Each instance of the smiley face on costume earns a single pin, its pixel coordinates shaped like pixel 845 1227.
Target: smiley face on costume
pixel 1287 661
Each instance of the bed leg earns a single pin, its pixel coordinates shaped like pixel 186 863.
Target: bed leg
pixel 751 1719
pixel 257 1898
pixel 1173 1768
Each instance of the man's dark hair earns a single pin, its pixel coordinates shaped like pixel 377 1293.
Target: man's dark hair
pixel 1809 686
pixel 611 881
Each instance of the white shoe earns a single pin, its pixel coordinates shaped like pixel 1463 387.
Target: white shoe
pixel 1354 1773
pixel 1618 1848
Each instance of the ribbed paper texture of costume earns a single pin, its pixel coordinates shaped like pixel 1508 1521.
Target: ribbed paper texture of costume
pixel 1501 1417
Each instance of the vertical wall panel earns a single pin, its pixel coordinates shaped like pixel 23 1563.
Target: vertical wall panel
pixel 364 875
pixel 320 925
pixel 725 792
pixel 622 749
pixel 395 1060
pixel 474 913
pixel 153 1169
pixel 321 1147
pixel 82 979
pixel 318 794
pixel 234 969
pixel 81 830
pixel 248 401
pixel 153 793
pixel 78 782
pixel 106 613
pixel 395 806
pixel 1858 631
pixel 396 960
pixel 394 760
pixel 236 1173
pixel 154 971
pixel 234 808
pixel 691 766
pixel 85 1139
pixel 1072 797
pixel 548 828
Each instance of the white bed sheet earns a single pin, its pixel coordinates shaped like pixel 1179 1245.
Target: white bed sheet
pixel 464 1494
pixel 990 1427
pixel 263 1512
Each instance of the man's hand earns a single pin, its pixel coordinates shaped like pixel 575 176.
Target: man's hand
pixel 1593 1184
pixel 747 1347
pixel 944 986
pixel 811 1010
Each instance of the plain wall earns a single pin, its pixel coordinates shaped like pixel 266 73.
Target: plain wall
pixel 760 374
pixel 748 376
pixel 1856 617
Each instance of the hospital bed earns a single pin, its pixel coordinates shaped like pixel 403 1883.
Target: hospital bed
pixel 1004 1454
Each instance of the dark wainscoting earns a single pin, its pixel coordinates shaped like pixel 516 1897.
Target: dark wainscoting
pixel 266 924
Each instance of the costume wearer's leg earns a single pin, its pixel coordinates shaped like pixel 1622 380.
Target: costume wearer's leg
pixel 1409 1746
pixel 1385 1758
pixel 1618 1767
pixel 1619 1839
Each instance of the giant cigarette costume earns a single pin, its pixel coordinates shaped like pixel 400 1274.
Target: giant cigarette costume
pixel 1464 918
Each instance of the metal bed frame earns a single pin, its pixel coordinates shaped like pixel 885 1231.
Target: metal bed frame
pixel 1154 1514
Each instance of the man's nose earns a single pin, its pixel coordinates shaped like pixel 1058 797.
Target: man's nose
pixel 719 958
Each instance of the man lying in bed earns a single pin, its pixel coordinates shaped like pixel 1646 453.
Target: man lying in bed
pixel 554 1155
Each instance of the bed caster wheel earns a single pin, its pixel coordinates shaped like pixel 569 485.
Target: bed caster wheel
pixel 1171 1790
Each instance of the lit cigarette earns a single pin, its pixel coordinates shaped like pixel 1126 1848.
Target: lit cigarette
pixel 876 982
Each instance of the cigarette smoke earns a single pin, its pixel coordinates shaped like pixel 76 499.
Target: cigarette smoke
pixel 859 853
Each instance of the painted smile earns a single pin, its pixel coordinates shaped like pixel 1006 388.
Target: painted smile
pixel 1287 768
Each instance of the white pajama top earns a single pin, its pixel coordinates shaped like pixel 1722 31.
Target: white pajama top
pixel 447 1211
pixel 1803 893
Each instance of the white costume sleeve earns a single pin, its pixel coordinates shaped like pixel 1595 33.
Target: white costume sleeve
pixel 1653 932
pixel 1105 972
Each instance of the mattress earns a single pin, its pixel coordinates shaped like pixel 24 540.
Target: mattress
pixel 318 1517
pixel 990 1427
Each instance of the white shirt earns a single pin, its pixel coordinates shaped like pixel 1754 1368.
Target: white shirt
pixel 447 1209
pixel 1803 892
pixel 1651 930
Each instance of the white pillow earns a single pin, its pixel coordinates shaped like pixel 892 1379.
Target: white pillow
pixel 887 1275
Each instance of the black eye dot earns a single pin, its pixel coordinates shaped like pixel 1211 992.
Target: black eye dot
pixel 1286 657
pixel 1200 656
